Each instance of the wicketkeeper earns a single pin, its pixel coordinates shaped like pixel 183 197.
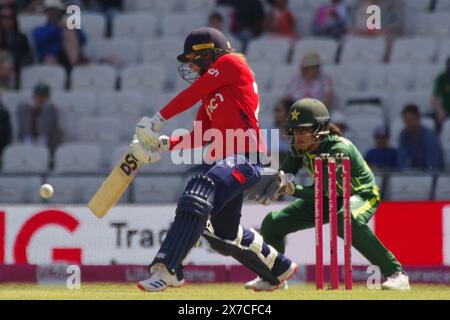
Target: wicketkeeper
pixel 312 134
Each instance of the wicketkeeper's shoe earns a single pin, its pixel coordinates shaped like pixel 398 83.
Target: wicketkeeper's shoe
pixel 251 284
pixel 398 281
pixel 266 286
pixel 160 279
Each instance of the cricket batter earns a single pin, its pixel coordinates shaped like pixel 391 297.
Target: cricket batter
pixel 211 203
pixel 312 134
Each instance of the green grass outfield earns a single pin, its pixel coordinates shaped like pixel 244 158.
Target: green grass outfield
pixel 213 292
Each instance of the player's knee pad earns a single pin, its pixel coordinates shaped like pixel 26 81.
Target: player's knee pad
pixel 197 198
pixel 223 246
pixel 249 250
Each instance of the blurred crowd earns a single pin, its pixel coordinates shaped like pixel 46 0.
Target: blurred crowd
pixel 52 43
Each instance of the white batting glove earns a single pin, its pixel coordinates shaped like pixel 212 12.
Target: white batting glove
pixel 147 130
pixel 142 153
pixel 164 143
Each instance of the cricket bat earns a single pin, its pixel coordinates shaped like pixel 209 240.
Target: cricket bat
pixel 115 185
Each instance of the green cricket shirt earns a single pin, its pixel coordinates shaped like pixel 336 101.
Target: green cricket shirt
pixel 362 179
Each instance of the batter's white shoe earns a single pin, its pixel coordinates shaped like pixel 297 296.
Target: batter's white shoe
pixel 159 280
pixel 266 286
pixel 398 281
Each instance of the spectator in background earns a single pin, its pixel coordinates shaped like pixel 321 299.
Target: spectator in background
pixel 382 156
pixel 441 96
pixel 419 147
pixel 215 20
pixel 7 74
pixel 5 129
pixel 38 122
pixel 14 41
pixel 392 19
pixel 311 82
pixel 55 43
pixel 248 19
pixel 331 20
pixel 279 20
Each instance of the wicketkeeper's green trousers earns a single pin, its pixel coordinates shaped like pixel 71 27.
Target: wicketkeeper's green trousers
pixel 299 215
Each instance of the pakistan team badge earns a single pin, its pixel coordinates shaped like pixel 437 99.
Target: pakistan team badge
pixel 294 115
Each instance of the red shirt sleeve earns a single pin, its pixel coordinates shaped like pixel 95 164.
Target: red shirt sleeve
pixel 201 124
pixel 221 73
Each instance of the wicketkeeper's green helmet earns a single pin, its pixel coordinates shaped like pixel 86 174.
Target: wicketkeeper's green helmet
pixel 307 113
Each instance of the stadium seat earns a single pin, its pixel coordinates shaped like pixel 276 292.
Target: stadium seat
pixel 28 22
pixel 263 74
pixel 405 50
pixel 346 77
pixel 20 190
pixel 122 102
pixel 25 158
pixel 80 102
pixel 113 51
pixel 361 129
pixel 409 188
pixel 157 189
pixel 379 179
pixel 445 140
pixel 53 75
pixel 71 106
pixel 179 24
pixel 325 47
pixel 401 98
pixel 78 158
pixel 443 53
pixel 166 6
pixel 442 190
pixel 391 77
pixel 146 78
pixel 440 26
pixel 442 5
pixel 74 189
pixel 397 125
pixel 178 84
pixel 135 25
pixel 192 6
pixel 303 21
pixel 161 51
pixel 93 25
pixel 425 76
pixel 282 76
pixel 100 129
pixel 306 4
pixel 363 50
pixel 138 5
pixel 267 103
pixel 421 5
pixel 268 50
pixel 94 77
pixel 368 97
pixel 434 25
pixel 370 110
